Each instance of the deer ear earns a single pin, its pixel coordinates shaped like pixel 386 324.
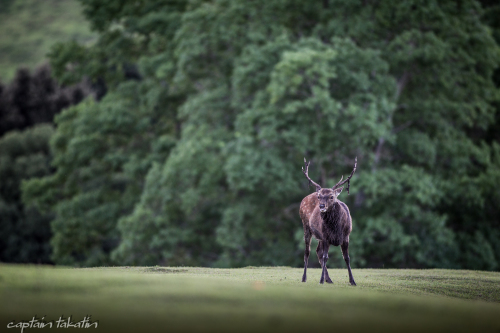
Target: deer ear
pixel 338 191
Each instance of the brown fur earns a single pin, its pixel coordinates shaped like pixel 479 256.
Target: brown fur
pixel 312 219
pixel 329 221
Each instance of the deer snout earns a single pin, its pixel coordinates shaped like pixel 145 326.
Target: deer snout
pixel 322 207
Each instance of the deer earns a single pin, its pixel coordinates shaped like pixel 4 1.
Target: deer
pixel 328 220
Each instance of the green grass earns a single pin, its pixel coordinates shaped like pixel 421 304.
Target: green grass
pixel 30 27
pixel 187 299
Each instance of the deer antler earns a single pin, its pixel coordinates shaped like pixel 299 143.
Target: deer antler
pixel 348 180
pixel 306 172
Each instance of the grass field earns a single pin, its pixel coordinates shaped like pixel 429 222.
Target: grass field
pixel 30 27
pixel 189 299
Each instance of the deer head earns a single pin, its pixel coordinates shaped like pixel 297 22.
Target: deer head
pixel 328 196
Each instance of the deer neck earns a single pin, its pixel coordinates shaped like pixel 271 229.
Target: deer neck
pixel 332 228
pixel 331 217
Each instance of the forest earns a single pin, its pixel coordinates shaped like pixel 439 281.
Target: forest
pixel 177 137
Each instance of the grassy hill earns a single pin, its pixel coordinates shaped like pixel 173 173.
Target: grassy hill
pixel 30 27
pixel 190 299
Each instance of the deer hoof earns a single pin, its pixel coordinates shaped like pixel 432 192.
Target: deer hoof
pixel 353 283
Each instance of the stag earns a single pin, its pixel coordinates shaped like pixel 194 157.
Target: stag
pixel 328 220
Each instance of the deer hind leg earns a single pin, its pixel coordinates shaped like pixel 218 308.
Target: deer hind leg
pixel 307 240
pixel 322 252
pixel 345 253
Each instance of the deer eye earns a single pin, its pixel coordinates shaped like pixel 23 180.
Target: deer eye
pixel 331 197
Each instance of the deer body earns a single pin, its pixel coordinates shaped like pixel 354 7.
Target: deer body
pixel 329 221
pixel 334 225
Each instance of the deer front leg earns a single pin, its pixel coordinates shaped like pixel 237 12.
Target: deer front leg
pixel 307 240
pixel 345 253
pixel 319 251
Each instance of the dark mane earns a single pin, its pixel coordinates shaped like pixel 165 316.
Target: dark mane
pixel 332 227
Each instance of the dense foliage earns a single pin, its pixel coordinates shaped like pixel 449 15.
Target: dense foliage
pixel 197 162
pixel 27 108
pixel 24 230
pixel 35 97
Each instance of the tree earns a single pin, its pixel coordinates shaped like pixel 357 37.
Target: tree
pixel 101 154
pixel 27 107
pixel 252 88
pixel 34 98
pixel 24 231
